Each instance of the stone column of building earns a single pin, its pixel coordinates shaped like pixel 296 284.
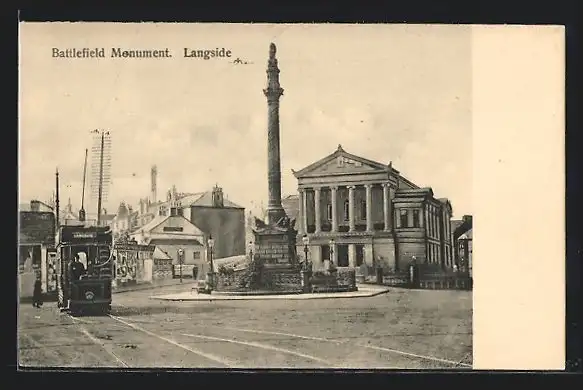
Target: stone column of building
pixel 334 194
pixel 317 210
pixel 273 92
pixel 369 224
pixel 301 211
pixel 334 251
pixel 429 221
pixel 351 222
pixel 422 217
pixel 352 255
pixel 435 223
pixel 304 216
pixel 387 207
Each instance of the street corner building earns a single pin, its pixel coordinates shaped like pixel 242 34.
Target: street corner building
pixel 36 248
pixel 363 214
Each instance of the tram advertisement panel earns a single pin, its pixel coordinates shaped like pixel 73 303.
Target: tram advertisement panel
pixel 51 272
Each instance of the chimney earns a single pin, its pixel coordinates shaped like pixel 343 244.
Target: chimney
pixel 34 205
pixel 217 196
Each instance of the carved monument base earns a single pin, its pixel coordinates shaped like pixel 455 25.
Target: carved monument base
pixel 275 250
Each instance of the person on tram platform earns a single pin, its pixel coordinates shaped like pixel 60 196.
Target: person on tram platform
pixel 77 268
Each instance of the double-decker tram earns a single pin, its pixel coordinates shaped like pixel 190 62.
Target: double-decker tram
pixel 84 269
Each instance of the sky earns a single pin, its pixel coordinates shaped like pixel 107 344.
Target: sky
pixel 400 93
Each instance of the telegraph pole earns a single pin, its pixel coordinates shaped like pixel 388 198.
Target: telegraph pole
pixel 100 179
pixel 82 210
pixel 57 200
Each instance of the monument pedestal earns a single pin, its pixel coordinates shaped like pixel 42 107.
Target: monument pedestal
pixel 275 250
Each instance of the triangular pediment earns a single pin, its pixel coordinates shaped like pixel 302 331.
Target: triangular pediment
pixel 341 162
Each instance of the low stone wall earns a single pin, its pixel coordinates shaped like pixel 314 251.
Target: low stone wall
pixel 340 279
pixel 270 278
pixel 281 278
pixel 234 281
pixel 162 269
pixel 429 278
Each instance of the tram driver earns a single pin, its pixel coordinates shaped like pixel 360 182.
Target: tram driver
pixel 77 267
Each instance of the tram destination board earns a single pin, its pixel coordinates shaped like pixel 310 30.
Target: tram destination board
pixel 85 234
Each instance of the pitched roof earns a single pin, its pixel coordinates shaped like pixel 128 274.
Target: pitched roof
pixel 153 223
pixel 172 220
pixel 455 224
pixel 199 199
pixel 341 152
pixel 467 235
pixel 206 200
pixel 365 161
pixel 159 254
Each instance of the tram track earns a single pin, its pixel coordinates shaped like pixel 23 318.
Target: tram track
pixel 92 327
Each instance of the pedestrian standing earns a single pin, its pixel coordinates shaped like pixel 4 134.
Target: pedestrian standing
pixel 37 299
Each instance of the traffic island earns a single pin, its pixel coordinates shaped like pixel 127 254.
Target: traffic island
pixel 362 292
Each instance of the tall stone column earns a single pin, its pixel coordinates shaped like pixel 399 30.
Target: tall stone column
pixel 301 211
pixel 369 224
pixel 304 216
pixel 334 251
pixel 352 255
pixel 351 222
pixel 386 207
pixel 334 195
pixel 317 210
pixel 273 92
pixel 427 212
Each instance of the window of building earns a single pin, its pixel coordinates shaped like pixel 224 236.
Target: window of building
pixel 196 255
pixel 363 209
pixel 403 218
pixel 346 210
pixel 416 219
pixel 329 212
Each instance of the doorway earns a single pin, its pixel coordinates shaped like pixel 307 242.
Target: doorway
pixel 342 255
pixel 326 252
pixel 359 254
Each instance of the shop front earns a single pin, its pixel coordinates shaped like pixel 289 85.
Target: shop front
pixel 36 253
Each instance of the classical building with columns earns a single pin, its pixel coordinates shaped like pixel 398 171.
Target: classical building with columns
pixel 358 212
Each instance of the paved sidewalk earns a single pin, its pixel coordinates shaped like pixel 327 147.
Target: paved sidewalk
pixel 363 291
pixel 187 283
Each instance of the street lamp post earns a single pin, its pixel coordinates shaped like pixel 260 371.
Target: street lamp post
pixel 180 261
pixel 251 250
pixel 306 241
pixel 331 251
pixel 211 244
pixel 306 269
